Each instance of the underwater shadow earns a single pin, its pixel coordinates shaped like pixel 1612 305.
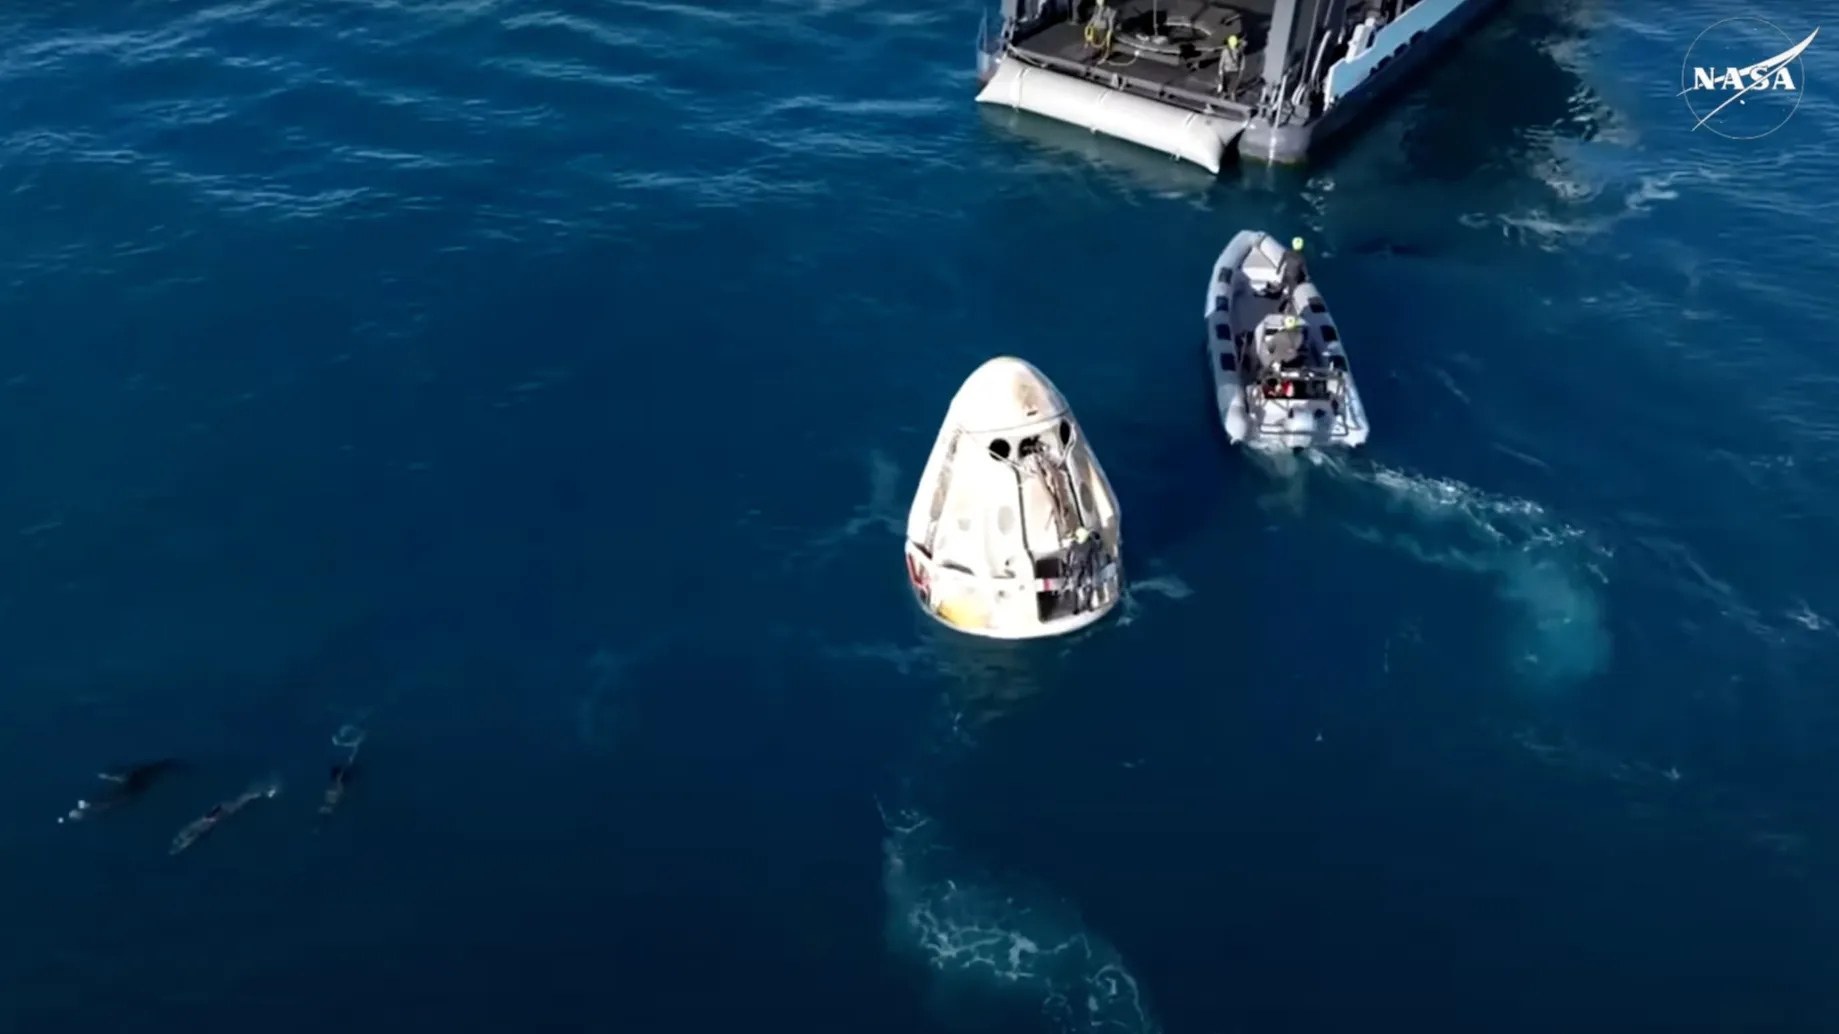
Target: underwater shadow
pixel 1438 127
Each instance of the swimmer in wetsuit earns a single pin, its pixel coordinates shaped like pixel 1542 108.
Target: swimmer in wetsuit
pixel 351 738
pixel 335 789
pixel 121 785
pixel 219 812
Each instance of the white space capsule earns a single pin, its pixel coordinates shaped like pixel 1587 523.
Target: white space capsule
pixel 1014 531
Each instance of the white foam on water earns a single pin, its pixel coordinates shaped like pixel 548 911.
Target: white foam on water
pixel 1584 208
pixel 1166 585
pixel 881 513
pixel 976 936
pixel 1548 572
pixel 1806 617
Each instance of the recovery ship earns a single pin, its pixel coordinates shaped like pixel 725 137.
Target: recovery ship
pixel 1193 78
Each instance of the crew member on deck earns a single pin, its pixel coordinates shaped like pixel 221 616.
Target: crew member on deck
pixel 1291 272
pixel 1285 344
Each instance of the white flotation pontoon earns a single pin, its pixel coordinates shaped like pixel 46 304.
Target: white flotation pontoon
pixel 1280 370
pixel 1195 137
pixel 1014 531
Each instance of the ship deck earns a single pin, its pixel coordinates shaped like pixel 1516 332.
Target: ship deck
pixel 1189 79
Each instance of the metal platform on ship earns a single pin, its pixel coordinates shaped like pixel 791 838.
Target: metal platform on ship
pixel 1168 50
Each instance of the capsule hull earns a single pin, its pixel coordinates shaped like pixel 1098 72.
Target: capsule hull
pixel 1014 531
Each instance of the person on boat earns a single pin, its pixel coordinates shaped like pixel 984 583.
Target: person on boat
pixel 121 786
pixel 1232 66
pixel 1283 344
pixel 1292 272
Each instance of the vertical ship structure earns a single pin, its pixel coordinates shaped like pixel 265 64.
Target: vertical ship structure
pixel 1014 531
pixel 1195 78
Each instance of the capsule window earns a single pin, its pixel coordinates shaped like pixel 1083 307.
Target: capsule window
pixel 1316 304
pixel 1222 332
pixel 999 448
pixel 1066 433
pixel 1221 303
pixel 1329 333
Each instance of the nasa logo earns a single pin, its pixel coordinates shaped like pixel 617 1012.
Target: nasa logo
pixel 1731 93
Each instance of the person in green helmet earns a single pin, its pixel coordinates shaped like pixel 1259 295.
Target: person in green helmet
pixel 1283 344
pixel 1291 271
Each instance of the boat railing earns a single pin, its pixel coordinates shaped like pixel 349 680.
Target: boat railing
pixel 1342 427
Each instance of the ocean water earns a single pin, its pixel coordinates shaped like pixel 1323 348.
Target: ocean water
pixel 542 386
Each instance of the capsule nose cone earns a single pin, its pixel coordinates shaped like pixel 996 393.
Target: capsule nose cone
pixel 1006 392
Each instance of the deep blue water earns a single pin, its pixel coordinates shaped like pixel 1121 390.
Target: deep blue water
pixel 544 384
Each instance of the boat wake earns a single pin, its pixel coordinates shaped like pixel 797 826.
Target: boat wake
pixel 1545 570
pixel 978 939
pixel 1583 208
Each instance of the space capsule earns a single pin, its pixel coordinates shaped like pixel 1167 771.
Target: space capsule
pixel 1014 531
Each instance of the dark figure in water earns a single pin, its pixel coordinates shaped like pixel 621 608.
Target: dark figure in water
pixel 121 785
pixel 335 788
pixel 349 737
pixel 209 820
